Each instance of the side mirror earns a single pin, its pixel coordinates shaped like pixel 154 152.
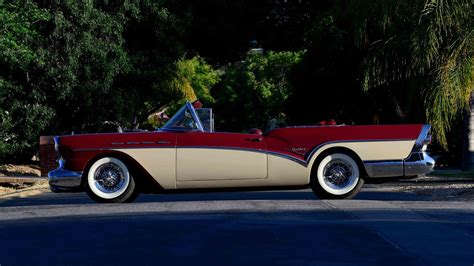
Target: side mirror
pixel 255 131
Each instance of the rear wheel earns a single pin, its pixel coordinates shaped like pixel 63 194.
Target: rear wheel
pixel 337 176
pixel 110 181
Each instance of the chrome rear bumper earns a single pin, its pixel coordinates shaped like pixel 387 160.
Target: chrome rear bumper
pixel 417 164
pixel 61 180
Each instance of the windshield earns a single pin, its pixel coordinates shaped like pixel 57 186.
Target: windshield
pixel 185 119
pixel 207 118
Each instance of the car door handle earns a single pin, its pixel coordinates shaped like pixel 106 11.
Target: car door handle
pixel 254 139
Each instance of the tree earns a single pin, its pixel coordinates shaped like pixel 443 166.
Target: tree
pixel 71 66
pixel 154 37
pixel 255 90
pixel 23 109
pixel 112 62
pixel 192 80
pixel 85 54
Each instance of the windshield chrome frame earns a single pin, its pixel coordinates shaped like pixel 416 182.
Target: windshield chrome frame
pixel 194 115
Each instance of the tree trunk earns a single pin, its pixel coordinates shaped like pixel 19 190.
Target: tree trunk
pixel 468 137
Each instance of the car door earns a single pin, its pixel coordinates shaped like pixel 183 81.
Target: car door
pixel 204 156
pixel 154 151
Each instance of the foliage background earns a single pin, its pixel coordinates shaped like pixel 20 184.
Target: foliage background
pixel 80 66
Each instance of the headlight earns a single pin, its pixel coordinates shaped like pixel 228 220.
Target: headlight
pixel 56 144
pixel 59 158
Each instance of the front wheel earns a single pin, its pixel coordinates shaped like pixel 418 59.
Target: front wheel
pixel 110 181
pixel 337 177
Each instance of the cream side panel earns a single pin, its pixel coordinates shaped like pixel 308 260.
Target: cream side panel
pixel 235 183
pixel 281 172
pixel 159 162
pixel 373 150
pixel 285 172
pixel 217 164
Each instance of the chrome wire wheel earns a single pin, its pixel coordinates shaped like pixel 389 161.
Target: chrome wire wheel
pixel 108 178
pixel 338 174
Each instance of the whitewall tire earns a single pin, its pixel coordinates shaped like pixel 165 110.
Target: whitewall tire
pixel 336 176
pixel 109 180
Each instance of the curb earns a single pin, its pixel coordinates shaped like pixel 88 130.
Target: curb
pixel 21 179
pixel 34 190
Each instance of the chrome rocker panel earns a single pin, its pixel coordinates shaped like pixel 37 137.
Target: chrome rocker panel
pixel 61 180
pixel 417 164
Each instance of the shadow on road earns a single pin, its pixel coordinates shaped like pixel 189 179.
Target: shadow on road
pixel 322 237
pixel 81 198
pixel 191 239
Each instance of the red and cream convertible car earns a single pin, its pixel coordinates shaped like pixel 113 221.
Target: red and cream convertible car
pixel 187 154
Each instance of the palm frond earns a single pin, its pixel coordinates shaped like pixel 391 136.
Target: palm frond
pixel 438 46
pixel 377 70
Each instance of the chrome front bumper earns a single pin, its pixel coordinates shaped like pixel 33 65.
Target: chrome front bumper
pixel 61 180
pixel 417 164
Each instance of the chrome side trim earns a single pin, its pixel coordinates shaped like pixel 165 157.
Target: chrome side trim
pixel 384 168
pixel 137 143
pixel 221 148
pixel 288 157
pixel 64 180
pixel 123 148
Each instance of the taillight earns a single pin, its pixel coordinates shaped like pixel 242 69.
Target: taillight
pixel 427 140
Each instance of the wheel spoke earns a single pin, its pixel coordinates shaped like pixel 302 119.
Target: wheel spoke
pixel 109 178
pixel 338 173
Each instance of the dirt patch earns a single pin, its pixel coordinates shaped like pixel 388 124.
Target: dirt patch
pixel 37 188
pixel 459 191
pixel 9 185
pixel 20 170
pixel 6 190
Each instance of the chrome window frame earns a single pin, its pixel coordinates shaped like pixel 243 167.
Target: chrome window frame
pixel 211 118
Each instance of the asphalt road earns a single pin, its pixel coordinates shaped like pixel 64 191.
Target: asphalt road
pixel 380 227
